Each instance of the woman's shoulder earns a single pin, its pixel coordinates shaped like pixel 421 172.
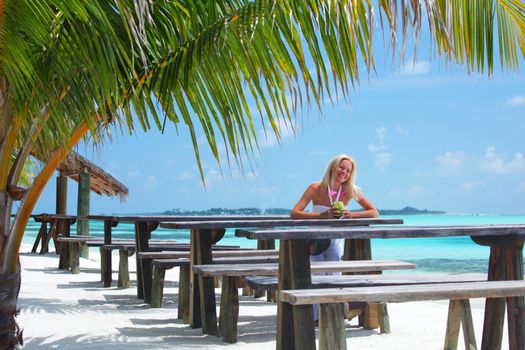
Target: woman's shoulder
pixel 315 186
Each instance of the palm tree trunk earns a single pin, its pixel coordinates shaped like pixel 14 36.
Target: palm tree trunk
pixel 10 333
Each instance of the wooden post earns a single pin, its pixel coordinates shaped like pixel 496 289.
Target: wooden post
pixel 229 309
pixel 295 324
pixel 65 227
pixel 157 287
pixel 331 327
pixel 208 307
pixel 184 294
pixel 83 209
pixel 61 205
pixel 123 269
pixel 505 263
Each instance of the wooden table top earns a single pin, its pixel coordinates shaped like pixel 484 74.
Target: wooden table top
pixel 364 232
pixel 251 222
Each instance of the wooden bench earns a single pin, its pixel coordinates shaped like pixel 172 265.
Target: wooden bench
pixel 70 258
pixel 332 328
pixel 231 274
pixel 217 252
pixel 161 265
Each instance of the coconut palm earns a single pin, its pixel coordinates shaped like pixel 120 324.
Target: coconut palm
pixel 76 67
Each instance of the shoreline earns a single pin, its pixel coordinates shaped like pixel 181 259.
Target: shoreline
pixel 60 310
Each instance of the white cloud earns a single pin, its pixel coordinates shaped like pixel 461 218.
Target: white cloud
pixel 267 138
pixel 496 163
pixel 186 175
pixel 470 185
pixel 515 101
pixel 401 130
pixel 150 183
pixel 416 191
pixel 395 192
pixel 451 159
pixel 410 192
pixel 382 158
pixel 415 68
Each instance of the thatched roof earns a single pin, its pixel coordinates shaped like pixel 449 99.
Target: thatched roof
pixel 101 181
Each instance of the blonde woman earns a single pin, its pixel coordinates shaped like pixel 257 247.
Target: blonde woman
pixel 338 184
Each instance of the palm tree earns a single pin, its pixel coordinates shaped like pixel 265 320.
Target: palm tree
pixel 69 68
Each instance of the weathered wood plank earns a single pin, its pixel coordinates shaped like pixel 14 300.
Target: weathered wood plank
pixel 271 269
pixel 403 293
pixel 216 253
pixel 270 283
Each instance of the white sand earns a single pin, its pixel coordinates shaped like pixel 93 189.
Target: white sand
pixel 60 310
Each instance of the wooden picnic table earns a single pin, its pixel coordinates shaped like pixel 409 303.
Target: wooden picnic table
pixel 295 326
pixel 202 293
pixel 145 225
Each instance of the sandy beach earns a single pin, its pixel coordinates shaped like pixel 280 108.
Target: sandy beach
pixel 60 310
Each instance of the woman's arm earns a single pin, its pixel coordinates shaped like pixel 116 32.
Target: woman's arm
pixel 298 210
pixel 369 210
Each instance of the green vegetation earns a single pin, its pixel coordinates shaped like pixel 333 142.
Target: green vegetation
pixel 280 211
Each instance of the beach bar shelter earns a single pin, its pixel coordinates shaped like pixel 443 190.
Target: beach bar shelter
pixel 90 177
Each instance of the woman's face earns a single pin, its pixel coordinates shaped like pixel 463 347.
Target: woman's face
pixel 343 171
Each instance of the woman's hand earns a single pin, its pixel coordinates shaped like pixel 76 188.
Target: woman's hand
pixel 329 214
pixel 347 214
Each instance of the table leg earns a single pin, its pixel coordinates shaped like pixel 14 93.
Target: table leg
pixel 515 306
pixel 142 235
pixel 295 324
pixel 505 263
pixel 106 268
pixel 65 229
pixel 203 310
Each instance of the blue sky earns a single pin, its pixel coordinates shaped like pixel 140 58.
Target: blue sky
pixel 423 134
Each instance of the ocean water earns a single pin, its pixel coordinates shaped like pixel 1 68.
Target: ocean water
pixel 448 254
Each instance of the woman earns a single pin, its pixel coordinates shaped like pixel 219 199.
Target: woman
pixel 336 185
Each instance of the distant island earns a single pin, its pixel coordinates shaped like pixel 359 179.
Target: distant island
pixel 409 211
pixel 283 211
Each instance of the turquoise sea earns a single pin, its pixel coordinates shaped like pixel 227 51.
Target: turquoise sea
pixel 451 254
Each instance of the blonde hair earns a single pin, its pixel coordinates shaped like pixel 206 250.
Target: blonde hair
pixel 330 175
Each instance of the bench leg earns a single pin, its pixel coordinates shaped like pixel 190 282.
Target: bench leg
pixel 102 264
pixel 332 334
pixel 468 326
pixel 123 270
pixel 384 319
pixel 453 323
pixel 74 257
pixel 371 316
pixel 459 313
pixel 106 268
pixel 63 260
pixel 229 311
pixel 184 294
pixel 157 287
